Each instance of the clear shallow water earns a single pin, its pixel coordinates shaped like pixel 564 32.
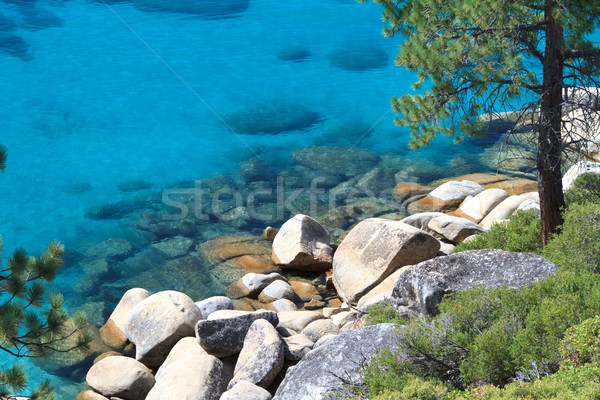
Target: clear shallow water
pixel 95 96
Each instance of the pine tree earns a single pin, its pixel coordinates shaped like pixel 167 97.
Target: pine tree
pixel 481 56
pixel 30 326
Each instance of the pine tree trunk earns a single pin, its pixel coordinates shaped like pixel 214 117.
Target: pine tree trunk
pixel 549 139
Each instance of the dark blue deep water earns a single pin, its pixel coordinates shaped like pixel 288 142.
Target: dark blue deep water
pixel 104 106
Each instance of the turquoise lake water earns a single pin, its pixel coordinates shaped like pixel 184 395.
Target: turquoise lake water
pixel 97 94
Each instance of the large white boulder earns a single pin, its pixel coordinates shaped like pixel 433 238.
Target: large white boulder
pixel 113 331
pixel 158 322
pixel 119 376
pixel 303 244
pixel 374 249
pixel 509 205
pixel 478 206
pixel 197 377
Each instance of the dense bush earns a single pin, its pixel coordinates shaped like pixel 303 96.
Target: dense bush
pixel 577 248
pixel 522 233
pixel 585 189
pixel 581 344
pixel 488 339
pixel 570 383
pixel 383 313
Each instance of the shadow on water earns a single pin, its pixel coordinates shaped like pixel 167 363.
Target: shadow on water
pixel 211 9
pixel 15 46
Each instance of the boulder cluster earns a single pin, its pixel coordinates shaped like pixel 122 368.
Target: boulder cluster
pixel 278 335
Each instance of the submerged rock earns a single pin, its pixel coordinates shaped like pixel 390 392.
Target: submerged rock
pixel 206 8
pixel 359 58
pixel 272 118
pixel 232 256
pixel 134 186
pixel 293 54
pixel 342 161
pixel 15 46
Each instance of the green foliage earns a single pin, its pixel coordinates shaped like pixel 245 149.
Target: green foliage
pixel 416 388
pixel 27 329
pixel 495 336
pixel 570 383
pixel 383 313
pixel 577 247
pixel 476 55
pixel 585 189
pixel 581 344
pixel 385 372
pixel 522 233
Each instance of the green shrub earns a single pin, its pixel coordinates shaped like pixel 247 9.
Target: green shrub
pixel 581 344
pixel 571 383
pixel 585 189
pixel 417 389
pixel 522 233
pixel 577 247
pixel 386 371
pixel 383 313
pixel 495 336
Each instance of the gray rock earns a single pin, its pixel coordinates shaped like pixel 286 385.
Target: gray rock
pixel 174 247
pixel 244 390
pixel 454 229
pixel 337 361
pixel 286 332
pixel 303 244
pixel 120 377
pixel 223 314
pixel 158 322
pixel 261 357
pixel 197 377
pixel 420 289
pixel 255 283
pixel 212 304
pixel 421 220
pixel 277 290
pixel 295 347
pixel 225 337
pixel 113 249
pixel 324 340
pixel 335 160
pixel 374 249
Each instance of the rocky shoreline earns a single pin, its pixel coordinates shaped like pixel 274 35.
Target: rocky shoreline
pixel 280 335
